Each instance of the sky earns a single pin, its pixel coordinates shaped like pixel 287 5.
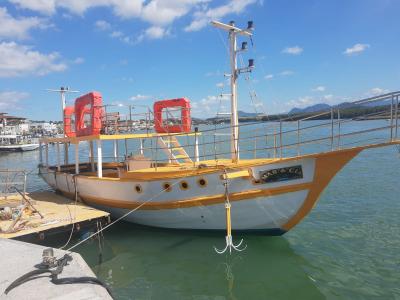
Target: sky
pixel 135 52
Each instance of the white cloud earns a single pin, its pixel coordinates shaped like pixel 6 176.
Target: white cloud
pixel 286 73
pixel 122 8
pixel 155 32
pixel 78 60
pixel 296 50
pixel 18 28
pixel 102 25
pixel 204 15
pixel 116 34
pixel 220 85
pixel 269 76
pixel 356 49
pixel 377 91
pixel 140 97
pixel 19 60
pixel 208 105
pixel 319 89
pixel 10 100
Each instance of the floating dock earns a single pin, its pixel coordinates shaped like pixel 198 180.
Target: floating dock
pixel 54 214
pixel 20 258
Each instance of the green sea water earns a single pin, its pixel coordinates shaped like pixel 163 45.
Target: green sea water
pixel 348 247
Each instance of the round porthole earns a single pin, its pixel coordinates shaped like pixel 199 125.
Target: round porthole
pixel 202 182
pixel 184 185
pixel 167 187
pixel 138 188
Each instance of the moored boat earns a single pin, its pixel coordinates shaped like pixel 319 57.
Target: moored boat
pixel 184 178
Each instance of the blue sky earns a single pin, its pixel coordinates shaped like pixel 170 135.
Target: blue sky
pixel 136 52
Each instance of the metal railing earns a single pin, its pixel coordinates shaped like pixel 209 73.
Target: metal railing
pixel 12 181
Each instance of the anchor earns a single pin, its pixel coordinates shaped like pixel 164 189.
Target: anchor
pixel 228 239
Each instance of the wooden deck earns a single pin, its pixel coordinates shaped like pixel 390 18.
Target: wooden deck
pixel 58 213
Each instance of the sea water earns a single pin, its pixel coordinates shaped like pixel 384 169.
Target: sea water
pixel 346 248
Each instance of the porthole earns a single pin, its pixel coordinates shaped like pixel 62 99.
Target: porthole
pixel 184 185
pixel 167 187
pixel 202 182
pixel 138 188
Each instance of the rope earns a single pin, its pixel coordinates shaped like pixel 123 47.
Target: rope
pixel 120 218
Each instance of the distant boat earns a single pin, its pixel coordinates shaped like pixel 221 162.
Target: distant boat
pixel 16 143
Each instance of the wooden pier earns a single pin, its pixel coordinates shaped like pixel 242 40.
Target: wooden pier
pixel 45 213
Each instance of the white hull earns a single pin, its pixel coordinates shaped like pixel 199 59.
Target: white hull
pixel 22 147
pixel 262 213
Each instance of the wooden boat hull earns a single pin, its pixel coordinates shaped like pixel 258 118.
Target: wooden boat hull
pixel 259 203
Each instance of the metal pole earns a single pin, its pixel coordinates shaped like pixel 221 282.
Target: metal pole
pixel 275 143
pixel 40 153
pixel 339 127
pixel 332 128
pixel 66 159
pixel 58 157
pixel 47 155
pixel 91 156
pixel 391 119
pixel 234 113
pixel 130 117
pixel 196 145
pixel 126 148
pixel 99 159
pixel 280 136
pixel 63 104
pixel 298 137
pixel 396 117
pixel 77 158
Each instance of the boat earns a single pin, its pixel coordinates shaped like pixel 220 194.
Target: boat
pixel 179 177
pixel 16 143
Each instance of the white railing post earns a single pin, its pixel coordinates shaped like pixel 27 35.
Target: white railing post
pixel 99 159
pixel 298 137
pixel 77 158
pixel 280 137
pixel 339 128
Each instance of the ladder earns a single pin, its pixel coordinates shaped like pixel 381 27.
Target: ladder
pixel 173 149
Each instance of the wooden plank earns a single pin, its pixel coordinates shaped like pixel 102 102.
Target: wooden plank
pixel 57 210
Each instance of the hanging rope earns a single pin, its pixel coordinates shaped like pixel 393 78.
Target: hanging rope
pixel 228 239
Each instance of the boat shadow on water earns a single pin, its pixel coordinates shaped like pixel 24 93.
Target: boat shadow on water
pixel 148 263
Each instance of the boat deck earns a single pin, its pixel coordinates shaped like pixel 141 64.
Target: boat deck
pixel 58 212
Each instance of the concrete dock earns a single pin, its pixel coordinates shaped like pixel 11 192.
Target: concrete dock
pixel 18 258
pixel 55 214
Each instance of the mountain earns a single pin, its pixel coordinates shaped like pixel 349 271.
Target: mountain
pixel 243 114
pixel 310 109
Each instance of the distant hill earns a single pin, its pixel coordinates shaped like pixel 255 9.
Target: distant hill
pixel 310 109
pixel 243 114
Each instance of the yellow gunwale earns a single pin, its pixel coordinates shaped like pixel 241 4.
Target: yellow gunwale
pixel 75 140
pixel 197 201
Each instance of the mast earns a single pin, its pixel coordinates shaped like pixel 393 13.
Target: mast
pixel 62 92
pixel 233 51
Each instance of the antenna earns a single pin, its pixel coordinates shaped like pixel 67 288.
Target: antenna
pixel 233 32
pixel 62 91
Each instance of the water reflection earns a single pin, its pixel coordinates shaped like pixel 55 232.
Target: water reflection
pixel 146 263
